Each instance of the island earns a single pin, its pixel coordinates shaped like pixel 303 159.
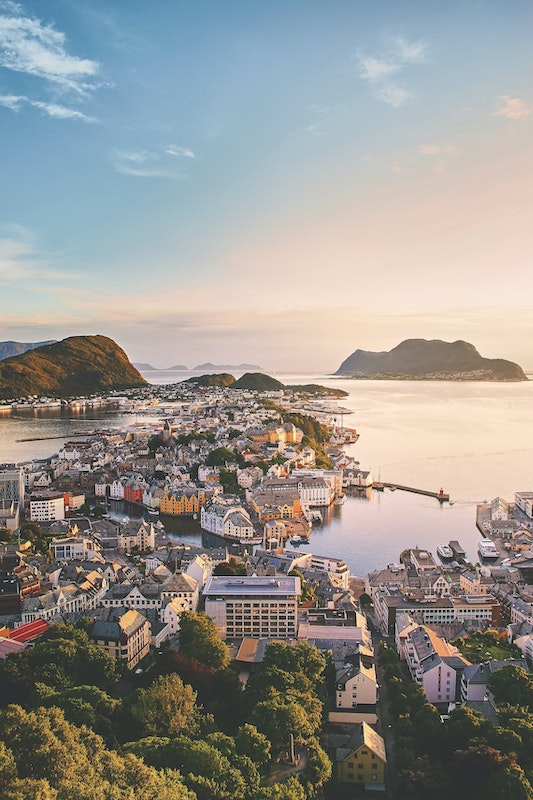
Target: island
pixel 423 359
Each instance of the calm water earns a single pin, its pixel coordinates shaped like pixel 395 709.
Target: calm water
pixel 471 439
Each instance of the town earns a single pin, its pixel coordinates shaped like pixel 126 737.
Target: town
pixel 256 471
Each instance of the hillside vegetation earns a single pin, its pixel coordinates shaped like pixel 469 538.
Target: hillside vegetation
pixel 79 365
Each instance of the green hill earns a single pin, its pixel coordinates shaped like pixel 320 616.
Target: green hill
pixel 220 379
pixel 420 359
pixel 79 365
pixel 258 382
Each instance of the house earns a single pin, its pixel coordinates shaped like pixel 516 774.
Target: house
pixel 136 534
pixel 355 683
pixel 361 758
pixel 434 664
pixel 123 633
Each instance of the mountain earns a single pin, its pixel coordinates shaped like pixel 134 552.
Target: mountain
pixel 228 367
pixel 422 359
pixel 220 379
pixel 8 349
pixel 76 366
pixel 177 368
pixel 142 367
pixel 258 382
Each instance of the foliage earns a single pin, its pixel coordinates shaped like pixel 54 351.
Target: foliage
pixel 78 365
pixel 512 685
pixel 166 708
pixel 68 762
pixel 308 592
pixel 199 638
pixel 62 658
pixel 219 457
pixel 484 645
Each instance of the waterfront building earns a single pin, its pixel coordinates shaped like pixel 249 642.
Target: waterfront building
pixel 524 501
pixel 253 607
pixel 225 516
pixel 187 500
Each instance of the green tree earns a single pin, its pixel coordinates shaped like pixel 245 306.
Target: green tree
pixel 166 708
pixel 512 685
pixel 250 742
pixel 199 638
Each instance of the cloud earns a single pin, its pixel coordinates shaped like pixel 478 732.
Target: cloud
pixel 410 52
pixel 147 164
pixel 15 103
pixel 377 70
pixel 174 150
pixel 437 150
pixel 373 69
pixel 512 108
pixel 20 260
pixel 29 46
pixel 394 95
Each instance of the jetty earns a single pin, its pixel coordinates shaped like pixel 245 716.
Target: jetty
pixel 440 495
pixel 458 551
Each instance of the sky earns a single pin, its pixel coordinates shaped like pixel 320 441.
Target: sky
pixel 278 183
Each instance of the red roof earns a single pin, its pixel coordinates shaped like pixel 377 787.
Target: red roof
pixel 29 631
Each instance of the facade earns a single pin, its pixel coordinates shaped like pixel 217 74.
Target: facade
pixel 434 665
pixel 11 483
pixel 71 547
pixel 524 501
pixel 253 607
pixel 356 685
pixel 47 507
pixel 361 759
pixel 136 535
pixel 124 634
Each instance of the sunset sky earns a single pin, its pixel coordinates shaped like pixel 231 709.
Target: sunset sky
pixel 272 182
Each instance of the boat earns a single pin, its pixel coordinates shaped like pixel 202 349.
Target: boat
pixel 487 549
pixel 339 501
pixel 445 552
pixel 296 540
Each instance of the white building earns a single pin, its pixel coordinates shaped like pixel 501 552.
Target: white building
pixel 253 607
pixel 47 507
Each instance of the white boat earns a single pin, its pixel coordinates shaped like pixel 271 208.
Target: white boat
pixel 297 540
pixel 487 549
pixel 445 552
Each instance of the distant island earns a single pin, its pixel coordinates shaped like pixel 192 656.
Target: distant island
pixel 73 367
pixel 423 359
pixel 9 349
pixel 142 367
pixel 259 382
pixel 228 367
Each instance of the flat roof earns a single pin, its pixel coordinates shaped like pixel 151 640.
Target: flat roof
pixel 251 585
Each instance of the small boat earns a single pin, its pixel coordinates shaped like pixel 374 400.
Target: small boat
pixel 445 552
pixel 296 540
pixel 339 501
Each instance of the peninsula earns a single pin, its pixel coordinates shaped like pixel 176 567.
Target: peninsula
pixel 422 359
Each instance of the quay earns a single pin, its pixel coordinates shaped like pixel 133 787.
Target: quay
pixel 440 495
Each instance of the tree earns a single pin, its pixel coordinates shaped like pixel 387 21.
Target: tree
pixel 219 457
pixel 250 742
pixel 512 685
pixel 277 718
pixel 199 638
pixel 166 708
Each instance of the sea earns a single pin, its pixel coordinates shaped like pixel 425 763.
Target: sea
pixel 472 439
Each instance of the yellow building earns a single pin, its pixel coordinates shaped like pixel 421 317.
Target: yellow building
pixel 361 759
pixel 181 504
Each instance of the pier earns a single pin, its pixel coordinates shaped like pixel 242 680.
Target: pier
pixel 440 495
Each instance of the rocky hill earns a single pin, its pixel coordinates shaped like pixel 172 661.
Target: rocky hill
pixel 220 379
pixel 77 366
pixel 9 349
pixel 422 359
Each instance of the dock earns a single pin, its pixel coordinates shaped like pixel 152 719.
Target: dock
pixel 458 552
pixel 440 495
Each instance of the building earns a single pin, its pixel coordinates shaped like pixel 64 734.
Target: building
pixel 476 677
pixel 435 665
pixel 47 507
pixel 524 501
pixel 11 483
pixel 361 758
pixel 253 607
pixel 70 547
pixel 123 633
pixel 355 683
pixel 136 535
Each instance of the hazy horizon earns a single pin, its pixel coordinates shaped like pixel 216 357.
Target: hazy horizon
pixel 276 183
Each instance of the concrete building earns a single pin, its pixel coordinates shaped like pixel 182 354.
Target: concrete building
pixel 11 483
pixel 253 607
